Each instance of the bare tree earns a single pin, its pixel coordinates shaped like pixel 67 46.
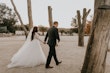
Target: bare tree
pixel 81 24
pixel 74 22
pixel 42 29
pixel 30 14
pixel 15 9
pixel 95 58
pixel 50 16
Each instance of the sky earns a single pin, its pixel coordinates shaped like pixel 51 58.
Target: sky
pixel 62 10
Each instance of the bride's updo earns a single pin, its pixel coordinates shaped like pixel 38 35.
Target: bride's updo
pixel 35 29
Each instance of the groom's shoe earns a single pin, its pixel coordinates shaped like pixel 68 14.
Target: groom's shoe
pixel 59 63
pixel 48 67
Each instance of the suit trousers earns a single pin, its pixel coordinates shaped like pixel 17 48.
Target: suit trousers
pixel 52 52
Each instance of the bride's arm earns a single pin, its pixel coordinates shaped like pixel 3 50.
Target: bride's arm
pixel 37 37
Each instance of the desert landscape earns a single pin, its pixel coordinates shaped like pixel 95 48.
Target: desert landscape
pixel 68 51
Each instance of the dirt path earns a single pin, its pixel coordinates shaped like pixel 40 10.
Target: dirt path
pixel 67 51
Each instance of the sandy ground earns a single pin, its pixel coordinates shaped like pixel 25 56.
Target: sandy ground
pixel 67 51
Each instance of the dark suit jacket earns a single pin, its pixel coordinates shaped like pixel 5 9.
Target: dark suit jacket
pixel 52 35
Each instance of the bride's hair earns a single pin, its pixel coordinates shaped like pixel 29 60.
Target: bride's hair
pixel 35 29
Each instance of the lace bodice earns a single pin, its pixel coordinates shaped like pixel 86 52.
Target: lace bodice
pixel 36 36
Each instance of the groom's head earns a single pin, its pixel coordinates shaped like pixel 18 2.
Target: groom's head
pixel 55 24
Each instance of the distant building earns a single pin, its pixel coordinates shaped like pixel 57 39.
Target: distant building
pixel 3 29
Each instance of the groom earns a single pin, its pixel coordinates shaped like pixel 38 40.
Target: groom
pixel 52 35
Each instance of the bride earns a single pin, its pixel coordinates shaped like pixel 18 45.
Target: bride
pixel 30 54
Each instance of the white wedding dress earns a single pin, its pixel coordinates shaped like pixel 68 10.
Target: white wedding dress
pixel 30 54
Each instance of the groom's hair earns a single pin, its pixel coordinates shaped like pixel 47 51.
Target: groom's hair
pixel 55 22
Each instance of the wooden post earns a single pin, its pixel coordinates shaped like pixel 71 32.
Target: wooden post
pixel 96 53
pixel 82 24
pixel 80 43
pixel 50 16
pixel 25 30
pixel 30 14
